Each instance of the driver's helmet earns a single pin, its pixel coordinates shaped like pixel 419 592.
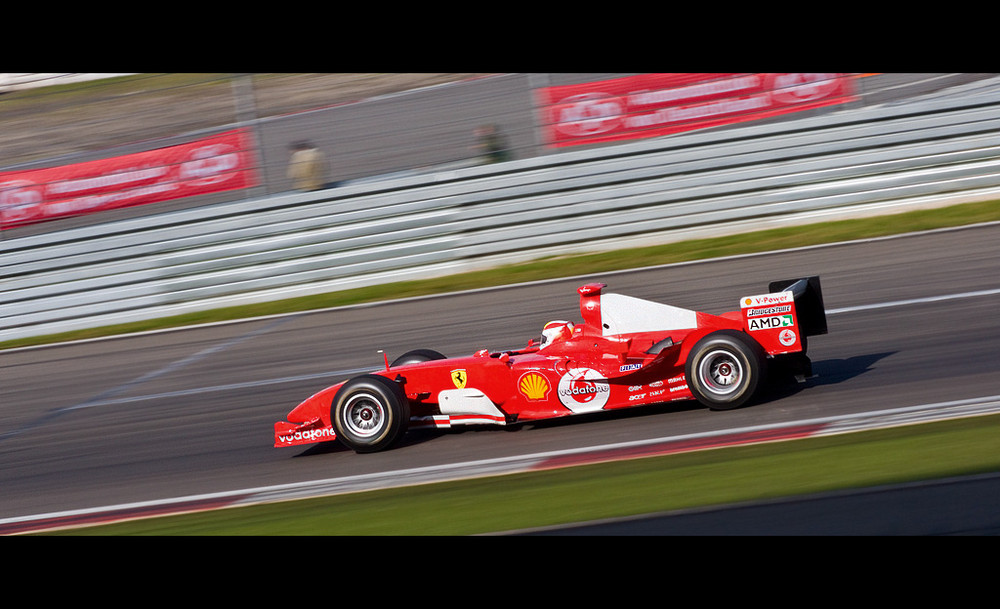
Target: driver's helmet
pixel 555 331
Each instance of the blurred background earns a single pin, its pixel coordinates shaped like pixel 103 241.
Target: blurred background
pixel 367 126
pixel 410 192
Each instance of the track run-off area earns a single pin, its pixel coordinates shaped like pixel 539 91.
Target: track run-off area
pixel 179 421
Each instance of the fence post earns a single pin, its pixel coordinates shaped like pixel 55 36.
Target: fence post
pixel 246 117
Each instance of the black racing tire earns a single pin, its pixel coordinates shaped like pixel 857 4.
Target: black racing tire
pixel 370 413
pixel 416 356
pixel 725 369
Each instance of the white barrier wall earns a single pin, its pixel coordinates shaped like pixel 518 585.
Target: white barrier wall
pixel 14 81
pixel 363 234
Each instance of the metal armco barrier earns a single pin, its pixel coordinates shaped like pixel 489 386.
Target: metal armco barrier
pixel 456 220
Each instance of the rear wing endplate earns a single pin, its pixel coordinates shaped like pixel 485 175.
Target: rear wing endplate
pixel 808 296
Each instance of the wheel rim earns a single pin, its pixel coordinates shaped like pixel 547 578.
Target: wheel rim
pixel 720 372
pixel 363 415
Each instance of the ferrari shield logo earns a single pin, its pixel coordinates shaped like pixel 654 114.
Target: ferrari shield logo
pixel 458 377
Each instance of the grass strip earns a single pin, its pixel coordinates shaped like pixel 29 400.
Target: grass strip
pixel 609 490
pixel 555 267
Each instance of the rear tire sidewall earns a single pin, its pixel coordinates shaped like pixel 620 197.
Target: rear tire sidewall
pixel 720 358
pixel 370 413
pixel 416 356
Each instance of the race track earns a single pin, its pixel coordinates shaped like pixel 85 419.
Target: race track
pixel 190 412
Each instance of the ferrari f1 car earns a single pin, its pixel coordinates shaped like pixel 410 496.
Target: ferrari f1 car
pixel 625 352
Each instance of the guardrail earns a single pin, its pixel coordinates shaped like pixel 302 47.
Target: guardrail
pixel 14 81
pixel 455 220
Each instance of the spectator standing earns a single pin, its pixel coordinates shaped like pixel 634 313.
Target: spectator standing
pixel 491 144
pixel 307 167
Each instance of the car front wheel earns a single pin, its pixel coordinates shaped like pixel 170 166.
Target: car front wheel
pixel 370 413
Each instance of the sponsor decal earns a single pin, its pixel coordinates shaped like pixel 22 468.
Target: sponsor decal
pixel 628 367
pixel 20 201
pixel 678 388
pixel 767 323
pixel 787 338
pixel 656 384
pixel 308 435
pixel 634 387
pixel 459 377
pixel 765 300
pixel 533 386
pixel 218 163
pixel 648 105
pixel 589 114
pixel 798 88
pixel 769 311
pixel 211 164
pixel 637 396
pixel 583 390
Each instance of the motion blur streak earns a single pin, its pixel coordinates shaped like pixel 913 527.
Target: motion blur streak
pixel 499 466
pixel 106 397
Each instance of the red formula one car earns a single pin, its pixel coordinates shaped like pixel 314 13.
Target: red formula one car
pixel 626 352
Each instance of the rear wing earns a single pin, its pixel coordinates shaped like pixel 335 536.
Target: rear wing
pixel 781 319
pixel 808 298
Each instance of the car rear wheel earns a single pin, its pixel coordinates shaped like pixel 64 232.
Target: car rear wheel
pixel 370 413
pixel 725 369
pixel 416 356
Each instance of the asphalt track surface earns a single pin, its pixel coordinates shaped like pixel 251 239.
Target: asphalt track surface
pixel 181 413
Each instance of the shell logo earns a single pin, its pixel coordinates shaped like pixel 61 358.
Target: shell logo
pixel 747 301
pixel 533 386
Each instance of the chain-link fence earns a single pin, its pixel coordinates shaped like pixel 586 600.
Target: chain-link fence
pixel 74 120
pixel 366 125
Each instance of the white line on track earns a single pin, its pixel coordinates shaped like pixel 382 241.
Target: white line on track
pixel 526 284
pixel 506 465
pixel 987 405
pixel 911 301
pixel 108 398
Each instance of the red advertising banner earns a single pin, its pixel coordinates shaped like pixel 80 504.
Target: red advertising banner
pixel 213 164
pixel 661 104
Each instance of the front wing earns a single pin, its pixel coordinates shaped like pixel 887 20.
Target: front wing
pixel 295 434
